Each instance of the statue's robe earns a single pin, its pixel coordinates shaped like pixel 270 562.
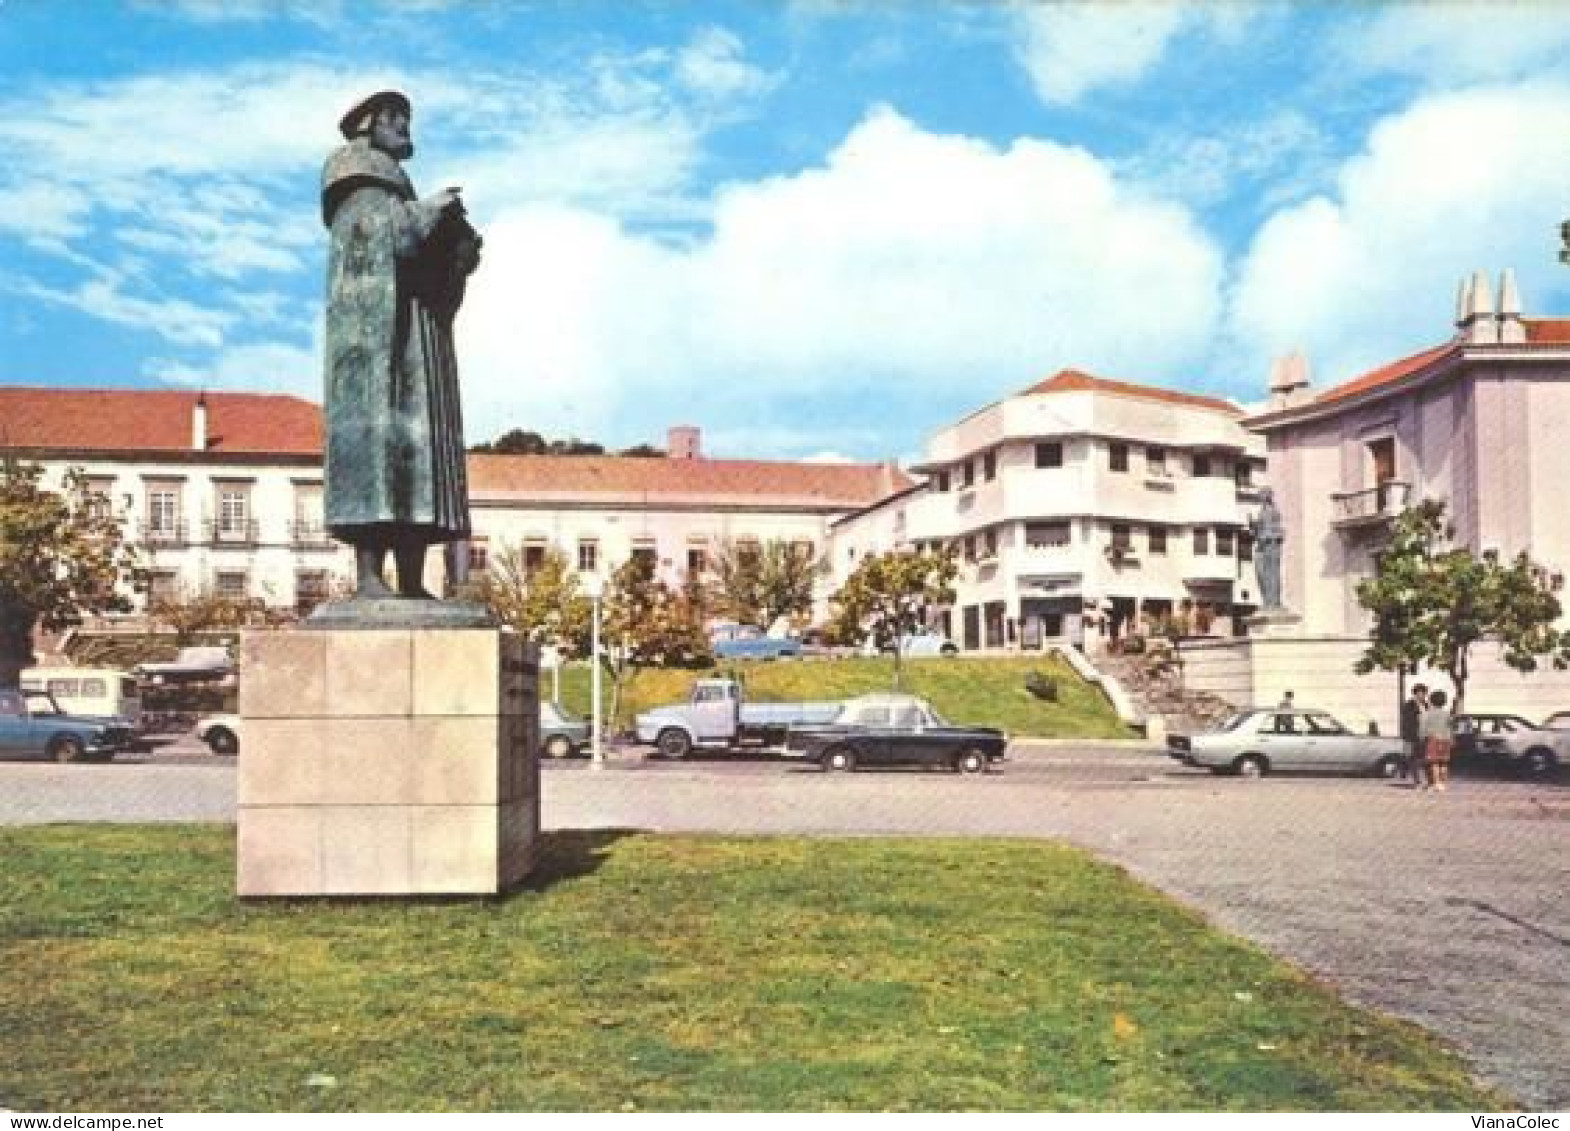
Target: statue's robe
pixel 395 455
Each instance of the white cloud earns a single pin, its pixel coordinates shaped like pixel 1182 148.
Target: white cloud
pixel 908 260
pixel 174 320
pixel 1073 48
pixel 1282 151
pixel 714 66
pixel 273 367
pixel 1459 43
pixel 1368 272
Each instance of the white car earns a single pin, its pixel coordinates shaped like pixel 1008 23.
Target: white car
pixel 220 732
pixel 1263 740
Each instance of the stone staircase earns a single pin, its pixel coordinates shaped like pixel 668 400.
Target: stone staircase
pixel 1153 679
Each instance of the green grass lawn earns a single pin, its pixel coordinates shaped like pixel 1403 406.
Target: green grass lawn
pixel 655 972
pixel 983 692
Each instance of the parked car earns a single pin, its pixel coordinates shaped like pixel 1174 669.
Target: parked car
pixel 1511 742
pixel 923 643
pixel 93 692
pixel 220 732
pixel 748 643
pixel 33 725
pixel 189 665
pixel 561 734
pixel 889 729
pixel 1263 740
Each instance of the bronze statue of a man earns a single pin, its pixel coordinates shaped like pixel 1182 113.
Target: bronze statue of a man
pixel 396 271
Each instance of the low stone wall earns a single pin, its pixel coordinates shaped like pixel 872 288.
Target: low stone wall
pixel 1318 670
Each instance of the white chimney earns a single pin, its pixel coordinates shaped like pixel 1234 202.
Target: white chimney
pixel 1512 331
pixel 684 442
pixel 1289 383
pixel 199 424
pixel 1478 324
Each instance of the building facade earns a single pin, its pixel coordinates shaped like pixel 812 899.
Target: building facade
pixel 217 492
pixel 1082 509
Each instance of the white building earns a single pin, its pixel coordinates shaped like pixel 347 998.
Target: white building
pixel 1081 509
pixel 217 491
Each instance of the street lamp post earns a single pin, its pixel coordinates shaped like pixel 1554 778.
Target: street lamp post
pixel 596 589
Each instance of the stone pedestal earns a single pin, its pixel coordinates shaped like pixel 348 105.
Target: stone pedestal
pixel 387 762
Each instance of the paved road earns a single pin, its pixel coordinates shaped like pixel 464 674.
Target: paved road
pixel 1448 909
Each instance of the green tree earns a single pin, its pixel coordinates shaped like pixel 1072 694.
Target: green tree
pixel 61 556
pixel 515 442
pixel 1432 602
pixel 545 604
pixel 758 584
pixel 647 624
pixel 643 451
pixel 889 596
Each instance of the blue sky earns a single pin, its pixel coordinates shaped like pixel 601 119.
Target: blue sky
pixel 813 229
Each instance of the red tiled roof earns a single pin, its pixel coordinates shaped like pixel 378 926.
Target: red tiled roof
pixel 555 477
pixel 1385 374
pixel 1074 381
pixel 1547 331
pixel 119 420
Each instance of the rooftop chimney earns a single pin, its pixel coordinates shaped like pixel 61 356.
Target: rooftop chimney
pixel 1512 331
pixel 1477 323
pixel 683 442
pixel 199 424
pixel 1289 383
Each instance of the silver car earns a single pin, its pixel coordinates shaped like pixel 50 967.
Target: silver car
pixel 1263 740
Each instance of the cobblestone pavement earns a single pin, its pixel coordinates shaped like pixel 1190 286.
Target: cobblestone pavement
pixel 1447 909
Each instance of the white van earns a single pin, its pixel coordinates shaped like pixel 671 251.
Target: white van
pixel 89 691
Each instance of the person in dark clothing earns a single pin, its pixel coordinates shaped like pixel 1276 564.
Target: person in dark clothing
pixel 1411 725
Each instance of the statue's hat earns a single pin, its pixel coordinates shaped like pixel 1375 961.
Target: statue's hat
pixel 353 123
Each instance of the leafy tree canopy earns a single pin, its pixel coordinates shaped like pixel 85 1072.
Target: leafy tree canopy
pixel 544 603
pixel 1433 601
pixel 891 595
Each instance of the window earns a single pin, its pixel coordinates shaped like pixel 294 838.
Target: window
pixel 1224 542
pixel 310 589
pixel 1042 535
pixel 1118 456
pixel 1122 537
pixel 748 553
pixel 308 522
pixel 1155 461
pixel 698 559
pixel 1049 454
pixel 1158 539
pixel 99 498
pixel 967 474
pixel 989 543
pixel 588 556
pixel 1201 540
pixel 1382 454
pixel 1243 473
pixel 232 584
pixel 645 553
pixel 1201 466
pixel 234 510
pixel 533 557
pixel 709 693
pixel 989 466
pixel 943 480
pixel 479 555
pixel 163 510
pixel 162 585
pixel 1245 547
pixel 970 548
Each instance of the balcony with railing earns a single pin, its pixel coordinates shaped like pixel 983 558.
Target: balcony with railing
pixel 235 534
pixel 163 535
pixel 1370 507
pixel 309 536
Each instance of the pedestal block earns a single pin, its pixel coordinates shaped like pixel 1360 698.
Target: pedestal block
pixel 387 762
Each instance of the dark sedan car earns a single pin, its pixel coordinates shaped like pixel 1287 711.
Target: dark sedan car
pixel 891 730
